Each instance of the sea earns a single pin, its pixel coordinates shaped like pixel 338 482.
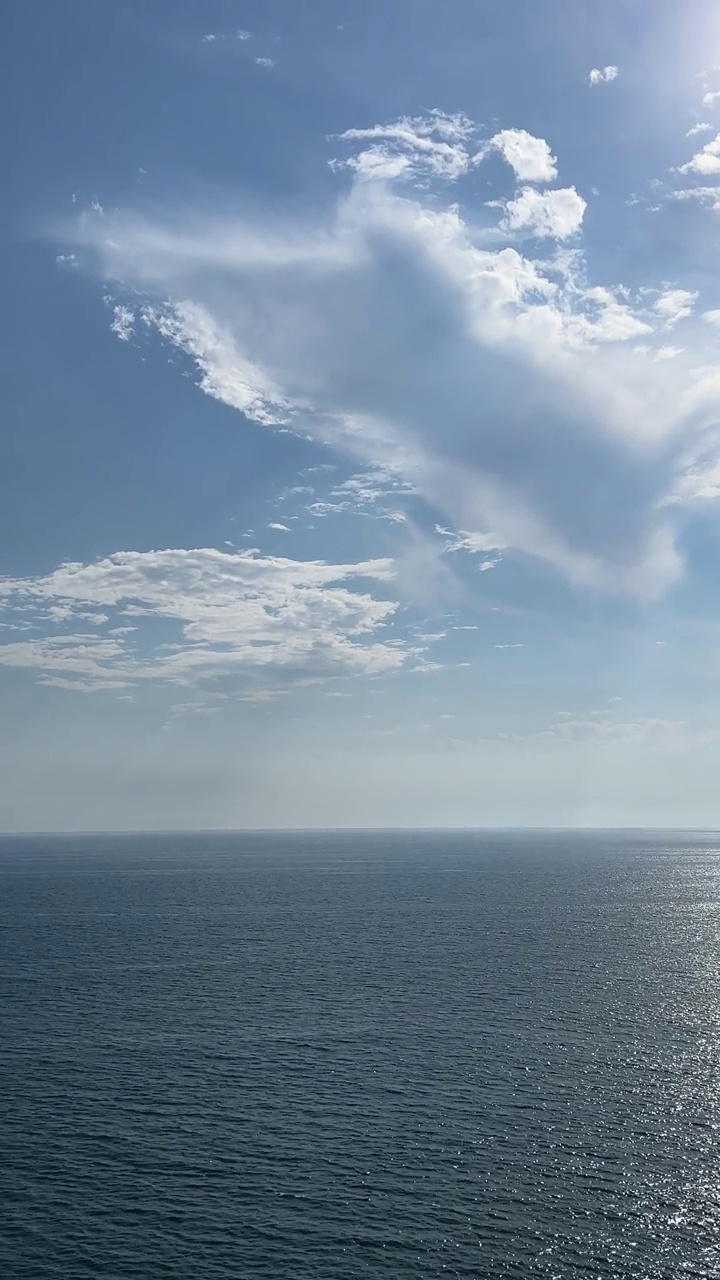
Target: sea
pixel 321 1056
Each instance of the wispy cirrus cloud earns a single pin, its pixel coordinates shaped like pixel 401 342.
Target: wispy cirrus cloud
pixel 374 492
pixel 487 545
pixel 609 731
pixel 505 388
pixel 437 145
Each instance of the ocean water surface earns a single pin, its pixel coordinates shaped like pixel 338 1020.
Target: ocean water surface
pixel 348 1055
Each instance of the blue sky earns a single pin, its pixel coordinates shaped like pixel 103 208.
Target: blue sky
pixel 360 455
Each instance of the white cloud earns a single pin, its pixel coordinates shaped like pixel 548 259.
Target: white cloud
pixel 279 527
pixel 322 508
pixel 505 389
pixel 225 614
pixel 705 162
pixel 123 322
pixel 711 317
pixel 711 99
pixel 433 145
pixel 225 374
pixel 264 62
pixel 366 488
pixel 213 36
pixel 700 484
pixel 364 493
pixel 700 127
pixel 603 75
pixel 602 729
pixel 606 318
pixel 554 214
pixel 474 542
pixel 709 196
pixel 674 305
pixel 529 157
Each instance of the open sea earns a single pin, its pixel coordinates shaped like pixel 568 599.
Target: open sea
pixel 340 1055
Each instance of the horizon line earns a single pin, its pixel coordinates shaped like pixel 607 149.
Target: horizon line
pixel 331 830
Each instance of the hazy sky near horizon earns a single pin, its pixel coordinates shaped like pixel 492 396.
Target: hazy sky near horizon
pixel 360 445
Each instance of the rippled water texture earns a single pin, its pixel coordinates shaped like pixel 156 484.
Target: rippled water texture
pixel 374 1055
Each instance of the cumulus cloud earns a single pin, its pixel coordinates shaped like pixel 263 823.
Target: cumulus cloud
pixel 705 162
pixel 554 214
pixel 438 145
pixel 505 389
pixel 607 317
pixel 674 305
pixel 224 613
pixel 603 75
pixel 529 157
pixel 712 98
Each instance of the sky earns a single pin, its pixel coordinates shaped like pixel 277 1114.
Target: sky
pixel 360 431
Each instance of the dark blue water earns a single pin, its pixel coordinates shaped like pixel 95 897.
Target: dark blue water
pixel 375 1055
